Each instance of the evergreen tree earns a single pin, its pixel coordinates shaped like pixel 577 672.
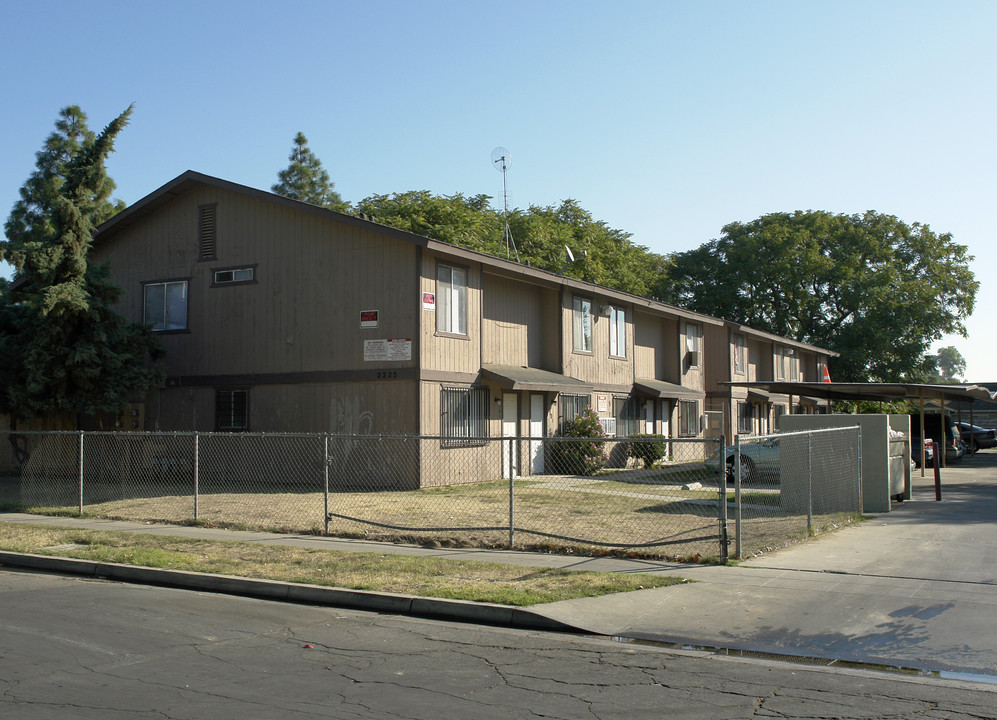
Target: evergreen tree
pixel 70 352
pixel 305 179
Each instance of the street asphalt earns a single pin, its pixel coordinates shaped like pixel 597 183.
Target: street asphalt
pixel 915 588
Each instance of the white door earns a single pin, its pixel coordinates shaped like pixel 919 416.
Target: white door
pixel 536 431
pixel 666 430
pixel 510 429
pixel 649 418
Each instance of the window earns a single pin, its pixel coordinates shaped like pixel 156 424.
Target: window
pixel 740 354
pixel 688 417
pixel 625 413
pixel 570 406
pixel 787 364
pixel 451 297
pixel 206 232
pixel 694 344
pixel 231 410
pixel 234 276
pixel 618 332
pixel 165 306
pixel 744 417
pixel 581 324
pixel 463 416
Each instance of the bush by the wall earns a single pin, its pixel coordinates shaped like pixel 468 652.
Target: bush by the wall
pixel 647 448
pixel 578 457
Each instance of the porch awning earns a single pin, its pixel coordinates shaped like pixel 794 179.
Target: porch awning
pixel 662 389
pixel 759 395
pixel 516 377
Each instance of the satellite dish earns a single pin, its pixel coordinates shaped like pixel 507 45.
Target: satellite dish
pixel 571 255
pixel 500 159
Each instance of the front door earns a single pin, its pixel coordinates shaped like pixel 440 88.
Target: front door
pixel 649 417
pixel 536 431
pixel 510 429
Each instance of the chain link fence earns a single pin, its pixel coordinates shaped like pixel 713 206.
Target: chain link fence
pixel 646 496
pixel 791 485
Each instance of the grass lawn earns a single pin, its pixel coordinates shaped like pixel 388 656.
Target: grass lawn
pixel 428 577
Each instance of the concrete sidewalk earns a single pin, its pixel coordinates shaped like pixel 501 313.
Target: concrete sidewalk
pixel 914 588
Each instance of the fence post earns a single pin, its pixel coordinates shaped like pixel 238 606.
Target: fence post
pixel 325 474
pixel 737 494
pixel 810 485
pixel 196 478
pixel 512 513
pixel 80 473
pixel 858 441
pixel 722 498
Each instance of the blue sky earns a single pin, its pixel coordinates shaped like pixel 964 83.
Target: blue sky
pixel 664 119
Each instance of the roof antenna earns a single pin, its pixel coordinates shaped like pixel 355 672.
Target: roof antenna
pixel 500 161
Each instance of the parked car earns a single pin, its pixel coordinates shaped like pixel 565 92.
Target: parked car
pixel 915 452
pixel 759 462
pixel 976 437
pixel 935 426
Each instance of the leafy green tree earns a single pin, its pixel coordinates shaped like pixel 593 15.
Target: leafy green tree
pixel 871 287
pixel 603 255
pixel 70 352
pixel 29 226
pixel 951 365
pixel 305 179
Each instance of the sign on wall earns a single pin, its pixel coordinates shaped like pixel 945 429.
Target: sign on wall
pixel 387 350
pixel 602 402
pixel 368 318
pixel 428 301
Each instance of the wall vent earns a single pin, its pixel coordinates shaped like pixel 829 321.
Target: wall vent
pixel 206 231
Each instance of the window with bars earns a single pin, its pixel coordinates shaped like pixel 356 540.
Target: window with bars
pixel 744 418
pixel 231 410
pixel 688 418
pixel 570 406
pixel 625 412
pixel 206 227
pixel 463 416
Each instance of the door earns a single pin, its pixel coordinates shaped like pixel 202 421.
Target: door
pixel 666 430
pixel 537 407
pixel 510 429
pixel 649 417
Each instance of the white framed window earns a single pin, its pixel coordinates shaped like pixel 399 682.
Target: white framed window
pixel 787 364
pixel 232 276
pixel 451 299
pixel 618 332
pixel 231 410
pixel 740 354
pixel 463 416
pixel 165 305
pixel 581 324
pixel 694 344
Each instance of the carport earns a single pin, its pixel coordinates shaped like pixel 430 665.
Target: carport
pixel 879 392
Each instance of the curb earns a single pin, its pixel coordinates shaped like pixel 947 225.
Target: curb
pixel 392 603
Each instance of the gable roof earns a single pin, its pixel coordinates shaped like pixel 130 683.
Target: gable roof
pixel 492 264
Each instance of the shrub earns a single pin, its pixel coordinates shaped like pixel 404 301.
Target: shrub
pixel 579 457
pixel 644 447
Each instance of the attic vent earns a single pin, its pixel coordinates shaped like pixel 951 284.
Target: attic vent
pixel 206 230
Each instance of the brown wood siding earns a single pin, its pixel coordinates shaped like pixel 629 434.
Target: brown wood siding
pixel 649 346
pixel 719 361
pixel 313 277
pixel 446 352
pixel 596 367
pixel 512 327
